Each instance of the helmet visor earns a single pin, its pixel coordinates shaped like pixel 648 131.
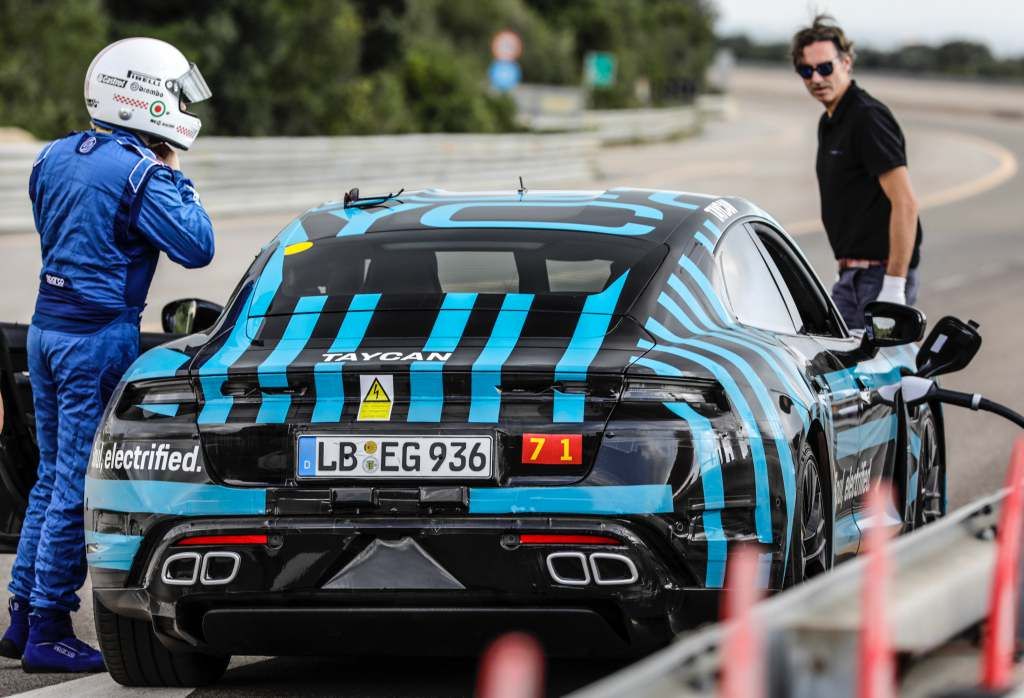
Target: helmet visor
pixel 192 86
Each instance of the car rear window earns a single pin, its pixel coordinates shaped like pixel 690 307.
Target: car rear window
pixel 425 262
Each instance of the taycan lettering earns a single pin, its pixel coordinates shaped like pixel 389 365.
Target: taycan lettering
pixel 721 209
pixel 387 356
pixel 156 457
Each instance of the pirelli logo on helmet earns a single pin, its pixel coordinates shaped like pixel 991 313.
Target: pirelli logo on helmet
pixel 143 77
pixel 378 356
pixel 111 80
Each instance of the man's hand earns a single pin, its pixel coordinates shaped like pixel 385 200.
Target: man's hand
pixel 894 290
pixel 167 155
pixel 902 221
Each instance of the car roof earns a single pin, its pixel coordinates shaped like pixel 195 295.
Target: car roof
pixel 650 214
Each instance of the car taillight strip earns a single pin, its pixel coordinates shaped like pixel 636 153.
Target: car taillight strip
pixel 565 539
pixel 234 539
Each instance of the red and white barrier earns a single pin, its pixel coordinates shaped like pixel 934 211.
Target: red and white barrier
pixel 1000 638
pixel 512 667
pixel 877 676
pixel 743 673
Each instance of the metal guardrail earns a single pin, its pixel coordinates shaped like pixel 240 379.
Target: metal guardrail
pixel 240 176
pixel 258 175
pixel 637 125
pixel 940 586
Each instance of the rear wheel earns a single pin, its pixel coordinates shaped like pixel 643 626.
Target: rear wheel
pixel 809 546
pixel 135 657
pixel 931 475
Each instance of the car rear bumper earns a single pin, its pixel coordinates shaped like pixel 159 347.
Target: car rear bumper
pixel 437 586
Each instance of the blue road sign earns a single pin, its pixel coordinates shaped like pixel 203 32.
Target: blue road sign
pixel 504 75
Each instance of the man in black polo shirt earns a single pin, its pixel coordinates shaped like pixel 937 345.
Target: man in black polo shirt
pixel 867 204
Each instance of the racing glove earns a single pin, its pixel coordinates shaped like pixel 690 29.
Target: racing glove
pixel 894 290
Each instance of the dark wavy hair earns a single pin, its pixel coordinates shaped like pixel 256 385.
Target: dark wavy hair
pixel 823 28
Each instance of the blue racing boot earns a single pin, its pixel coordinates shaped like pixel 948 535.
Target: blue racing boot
pixel 13 643
pixel 53 648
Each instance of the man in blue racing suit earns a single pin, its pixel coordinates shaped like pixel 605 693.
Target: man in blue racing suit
pixel 106 203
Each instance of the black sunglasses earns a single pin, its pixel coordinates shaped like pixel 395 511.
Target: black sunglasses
pixel 806 71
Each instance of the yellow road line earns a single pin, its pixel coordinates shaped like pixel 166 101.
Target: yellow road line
pixel 1006 169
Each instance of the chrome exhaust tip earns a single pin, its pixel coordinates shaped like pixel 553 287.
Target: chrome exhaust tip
pixel 180 569
pixel 568 568
pixel 612 569
pixel 220 567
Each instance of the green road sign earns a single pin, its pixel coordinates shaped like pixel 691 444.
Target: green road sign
pixel 599 68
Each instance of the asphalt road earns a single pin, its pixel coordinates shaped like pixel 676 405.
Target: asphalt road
pixel 964 168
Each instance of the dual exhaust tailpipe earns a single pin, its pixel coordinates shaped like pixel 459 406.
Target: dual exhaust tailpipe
pixel 210 569
pixel 571 568
pixel 603 569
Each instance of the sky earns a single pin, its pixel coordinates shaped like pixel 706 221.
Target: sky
pixel 884 24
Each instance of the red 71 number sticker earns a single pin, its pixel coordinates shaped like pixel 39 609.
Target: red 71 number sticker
pixel 552 449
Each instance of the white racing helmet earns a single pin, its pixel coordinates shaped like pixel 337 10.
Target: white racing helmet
pixel 146 85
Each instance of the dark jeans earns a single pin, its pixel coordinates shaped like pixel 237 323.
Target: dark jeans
pixel 858 287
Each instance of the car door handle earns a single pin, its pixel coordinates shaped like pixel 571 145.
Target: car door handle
pixel 866 391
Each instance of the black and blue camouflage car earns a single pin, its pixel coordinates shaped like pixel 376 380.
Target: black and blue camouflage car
pixel 424 419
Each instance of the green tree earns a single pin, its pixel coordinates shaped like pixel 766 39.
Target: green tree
pixel 667 42
pixel 279 67
pixel 275 68
pixel 47 47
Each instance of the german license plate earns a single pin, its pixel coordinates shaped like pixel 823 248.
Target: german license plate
pixel 396 457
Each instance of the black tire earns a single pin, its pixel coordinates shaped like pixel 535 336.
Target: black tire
pixel 135 657
pixel 931 475
pixel 810 551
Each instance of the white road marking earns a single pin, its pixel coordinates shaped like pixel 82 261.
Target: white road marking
pixel 102 686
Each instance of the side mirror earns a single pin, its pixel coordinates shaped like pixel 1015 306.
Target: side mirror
pixel 189 315
pixel 891 324
pixel 949 347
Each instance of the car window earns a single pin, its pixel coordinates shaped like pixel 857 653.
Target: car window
pixel 745 281
pixel 492 271
pixel 566 275
pixel 423 262
pixel 801 288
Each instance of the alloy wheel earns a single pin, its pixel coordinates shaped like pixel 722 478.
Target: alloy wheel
pixel 814 539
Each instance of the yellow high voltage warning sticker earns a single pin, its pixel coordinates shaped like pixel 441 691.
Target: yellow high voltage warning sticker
pixel 376 395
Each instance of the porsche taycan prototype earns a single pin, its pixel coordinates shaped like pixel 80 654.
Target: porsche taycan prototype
pixel 422 420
